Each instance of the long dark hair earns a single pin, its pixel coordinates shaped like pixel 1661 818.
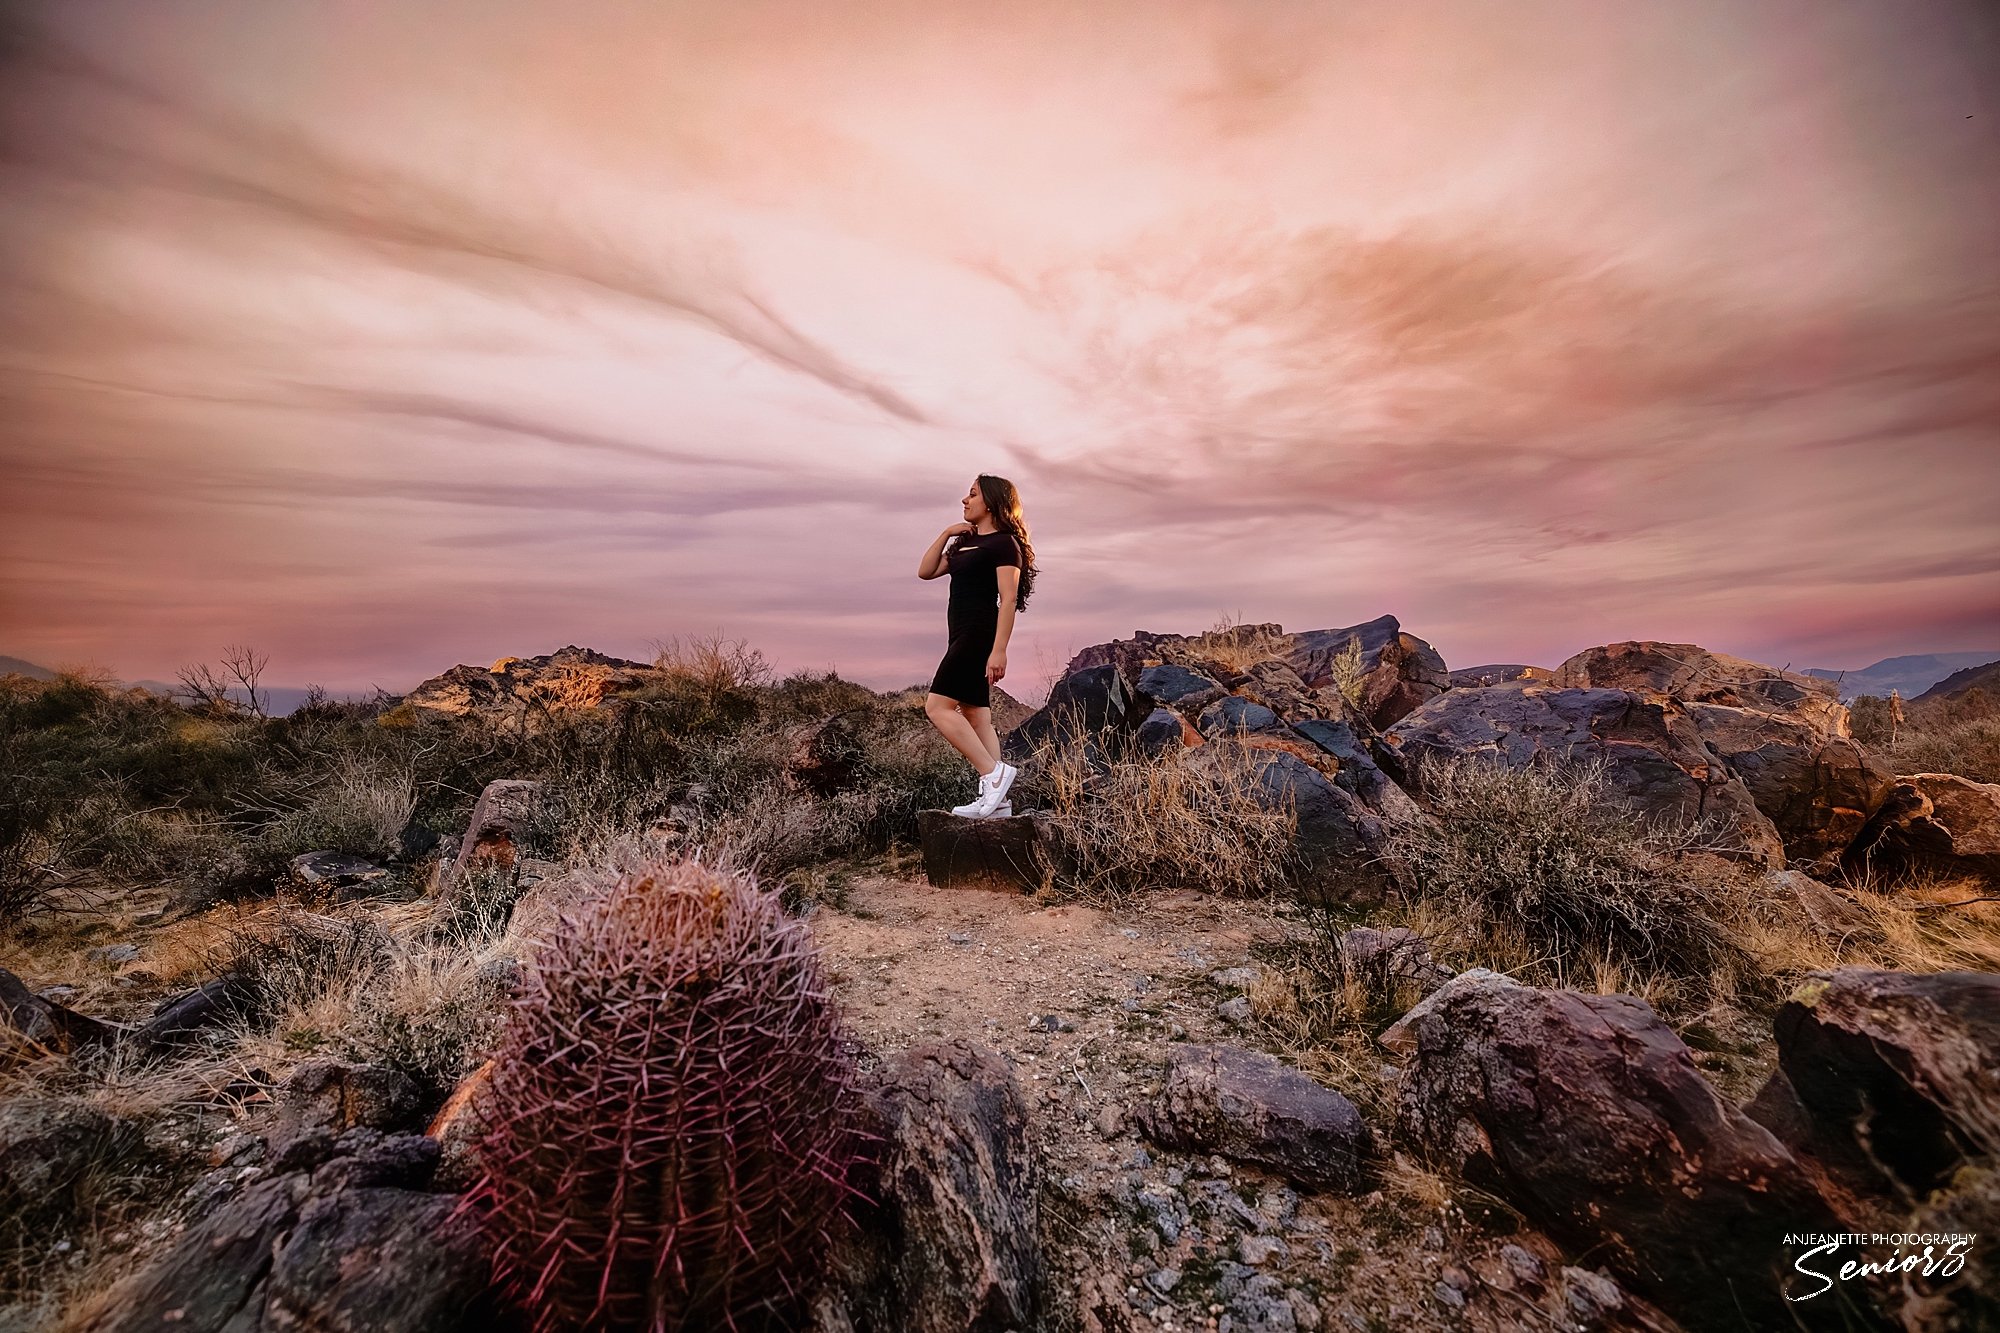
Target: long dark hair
pixel 1004 503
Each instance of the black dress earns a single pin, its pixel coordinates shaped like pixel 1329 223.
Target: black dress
pixel 973 616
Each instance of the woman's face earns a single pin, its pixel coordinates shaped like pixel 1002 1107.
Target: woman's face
pixel 975 505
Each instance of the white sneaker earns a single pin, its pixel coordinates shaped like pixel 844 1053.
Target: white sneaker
pixel 978 810
pixel 995 795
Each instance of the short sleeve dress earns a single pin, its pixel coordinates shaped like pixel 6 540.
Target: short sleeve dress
pixel 973 615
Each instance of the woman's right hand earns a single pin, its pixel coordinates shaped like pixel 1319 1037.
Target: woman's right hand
pixel 958 527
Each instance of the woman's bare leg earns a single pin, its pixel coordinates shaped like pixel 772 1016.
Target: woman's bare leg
pixel 982 722
pixel 957 728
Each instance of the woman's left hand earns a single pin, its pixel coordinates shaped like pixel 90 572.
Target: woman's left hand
pixel 996 666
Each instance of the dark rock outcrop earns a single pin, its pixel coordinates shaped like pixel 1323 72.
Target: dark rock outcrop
pixel 330 1095
pixel 283 1257
pixel 1252 1108
pixel 1588 1114
pixel 1097 701
pixel 953 1244
pixel 1656 763
pixel 1339 840
pixel 1400 672
pixel 1896 1076
pixel 1936 820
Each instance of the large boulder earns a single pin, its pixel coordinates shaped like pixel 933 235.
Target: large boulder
pixel 1897 1075
pixel 1587 1113
pixel 1400 672
pixel 1252 1108
pixel 1817 789
pixel 1935 820
pixel 1096 701
pixel 952 1243
pixel 1656 763
pixel 1784 734
pixel 1693 674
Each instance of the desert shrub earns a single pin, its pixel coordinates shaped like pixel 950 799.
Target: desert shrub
pixel 289 959
pixel 1969 747
pixel 354 806
pixel 1540 859
pixel 431 1013
pixel 670 1107
pixel 1120 826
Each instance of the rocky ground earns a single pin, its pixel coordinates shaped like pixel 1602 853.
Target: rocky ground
pixel 1087 1005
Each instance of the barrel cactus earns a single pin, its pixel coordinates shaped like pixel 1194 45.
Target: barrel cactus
pixel 670 1121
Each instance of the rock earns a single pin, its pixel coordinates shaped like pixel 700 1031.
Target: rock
pixel 1233 714
pixel 113 954
pixel 1935 820
pixel 365 1158
pixel 45 1022
pixel 1257 1251
pixel 1400 1037
pixel 1587 1113
pixel 1165 730
pixel 1095 701
pixel 330 1095
pixel 376 1259
pixel 1358 772
pixel 1400 671
pixel 1252 1108
pixel 1004 853
pixel 1178 688
pixel 457 1127
pixel 1236 978
pixel 1384 958
pixel 959 1183
pixel 278 1258
pixel 1235 1011
pixel 1692 674
pixel 1164 1280
pixel 1817 789
pixel 1591 1297
pixel 56 1157
pixel 497 833
pixel 1338 839
pixel 521 691
pixel 339 874
pixel 1464 678
pixel 1897 1075
pixel 1968 1300
pixel 1831 912
pixel 1785 735
pixel 1656 764
pixel 180 1018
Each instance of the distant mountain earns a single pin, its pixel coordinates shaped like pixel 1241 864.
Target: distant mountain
pixel 278 699
pixel 1910 675
pixel 14 666
pixel 1986 677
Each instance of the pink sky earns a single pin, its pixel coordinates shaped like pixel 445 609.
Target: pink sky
pixel 386 337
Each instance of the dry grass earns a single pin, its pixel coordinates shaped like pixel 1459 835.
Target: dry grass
pixel 1167 821
pixel 1237 646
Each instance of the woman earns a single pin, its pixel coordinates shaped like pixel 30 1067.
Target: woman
pixel 992 568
